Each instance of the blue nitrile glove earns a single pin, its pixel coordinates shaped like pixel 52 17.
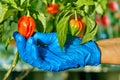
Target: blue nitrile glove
pixel 42 50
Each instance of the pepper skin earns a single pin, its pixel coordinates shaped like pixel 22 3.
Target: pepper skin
pixel 52 8
pixel 26 26
pixel 77 29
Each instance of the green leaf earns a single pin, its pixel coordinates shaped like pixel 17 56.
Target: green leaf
pixel 66 11
pixel 9 13
pixel 89 22
pixel 45 1
pixel 49 27
pixel 99 9
pixel 90 9
pixel 12 2
pixel 62 30
pixel 67 1
pixel 8 42
pixel 103 3
pixel 42 18
pixel 91 29
pixel 3 10
pixel 85 2
pixel 38 5
pixel 21 2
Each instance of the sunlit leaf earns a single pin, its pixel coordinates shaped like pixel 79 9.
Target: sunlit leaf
pixel 42 18
pixel 99 9
pixel 103 4
pixel 90 35
pixel 85 2
pixel 9 13
pixel 21 2
pixel 62 29
pixel 90 9
pixel 12 2
pixel 5 1
pixel 91 29
pixel 3 10
pixel 90 23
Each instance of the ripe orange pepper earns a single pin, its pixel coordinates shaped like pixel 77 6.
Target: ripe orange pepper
pixel 52 8
pixel 76 23
pixel 26 26
pixel 77 28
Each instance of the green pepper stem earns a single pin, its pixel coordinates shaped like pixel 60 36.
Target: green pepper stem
pixel 53 1
pixel 28 13
pixel 75 15
pixel 28 3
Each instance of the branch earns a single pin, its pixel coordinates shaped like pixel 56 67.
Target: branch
pixel 15 60
pixel 24 74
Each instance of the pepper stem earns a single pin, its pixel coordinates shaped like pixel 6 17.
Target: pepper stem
pixel 76 15
pixel 28 3
pixel 53 1
pixel 28 13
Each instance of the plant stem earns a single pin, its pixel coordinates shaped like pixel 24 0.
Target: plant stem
pixel 28 4
pixel 75 15
pixel 28 13
pixel 24 74
pixel 19 9
pixel 15 60
pixel 45 1
pixel 53 1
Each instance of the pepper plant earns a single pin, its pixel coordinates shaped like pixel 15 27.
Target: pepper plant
pixel 54 15
pixel 65 17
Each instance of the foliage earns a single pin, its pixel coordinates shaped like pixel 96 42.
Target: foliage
pixel 51 23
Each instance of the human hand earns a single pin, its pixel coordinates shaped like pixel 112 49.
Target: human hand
pixel 42 50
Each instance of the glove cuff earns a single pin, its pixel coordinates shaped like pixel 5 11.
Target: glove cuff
pixel 95 54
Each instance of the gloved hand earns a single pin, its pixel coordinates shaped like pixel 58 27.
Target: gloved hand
pixel 42 50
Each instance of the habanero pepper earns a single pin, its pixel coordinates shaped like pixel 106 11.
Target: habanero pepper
pixel 52 8
pixel 26 26
pixel 77 28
